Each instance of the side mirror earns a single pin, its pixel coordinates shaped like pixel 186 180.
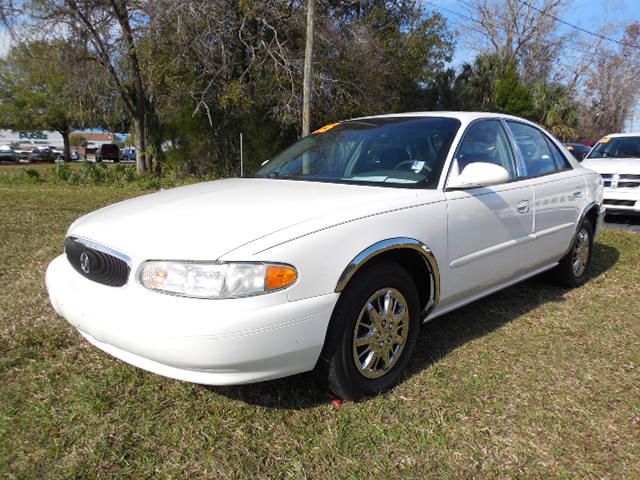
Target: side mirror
pixel 480 174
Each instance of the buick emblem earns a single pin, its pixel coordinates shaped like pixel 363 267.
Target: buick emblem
pixel 85 265
pixel 615 178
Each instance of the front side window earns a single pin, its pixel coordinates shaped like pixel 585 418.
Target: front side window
pixel 536 151
pixel 486 142
pixel 399 151
pixel 617 147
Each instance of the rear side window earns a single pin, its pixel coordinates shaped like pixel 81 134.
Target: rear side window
pixel 537 153
pixel 486 142
pixel 560 160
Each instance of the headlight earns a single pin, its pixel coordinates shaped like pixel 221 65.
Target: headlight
pixel 216 280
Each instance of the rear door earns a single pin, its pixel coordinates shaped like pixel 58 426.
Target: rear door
pixel 559 192
pixel 489 228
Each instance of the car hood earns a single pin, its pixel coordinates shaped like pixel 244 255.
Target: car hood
pixel 613 165
pixel 207 220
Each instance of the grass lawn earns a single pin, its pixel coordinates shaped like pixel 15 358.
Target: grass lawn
pixel 533 382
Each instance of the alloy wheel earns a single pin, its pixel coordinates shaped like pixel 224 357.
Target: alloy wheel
pixel 580 258
pixel 380 333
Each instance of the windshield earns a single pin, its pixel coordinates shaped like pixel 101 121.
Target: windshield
pixel 617 147
pixel 389 151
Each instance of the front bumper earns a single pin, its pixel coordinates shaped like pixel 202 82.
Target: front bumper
pixel 214 342
pixel 622 201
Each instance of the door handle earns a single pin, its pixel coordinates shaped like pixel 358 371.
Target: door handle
pixel 577 194
pixel 523 206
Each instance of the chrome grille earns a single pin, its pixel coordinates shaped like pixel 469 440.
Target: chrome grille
pixel 96 262
pixel 622 180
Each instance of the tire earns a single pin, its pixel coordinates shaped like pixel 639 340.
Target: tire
pixel 573 270
pixel 351 319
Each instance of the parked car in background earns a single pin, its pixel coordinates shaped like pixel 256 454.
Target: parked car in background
pixel 128 154
pixel 42 154
pixel 8 154
pixel 578 150
pixel 617 158
pixel 58 151
pixel 108 151
pixel 23 153
pixel 333 254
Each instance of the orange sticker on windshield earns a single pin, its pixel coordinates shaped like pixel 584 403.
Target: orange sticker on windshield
pixel 604 140
pixel 326 128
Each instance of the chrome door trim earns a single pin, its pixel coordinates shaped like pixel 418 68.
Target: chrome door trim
pixel 521 169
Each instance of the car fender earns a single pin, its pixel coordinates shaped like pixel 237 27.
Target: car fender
pixel 322 257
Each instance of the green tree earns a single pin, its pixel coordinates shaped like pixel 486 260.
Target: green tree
pixel 511 95
pixel 370 57
pixel 487 84
pixel 555 109
pixel 78 141
pixel 39 91
pixel 476 84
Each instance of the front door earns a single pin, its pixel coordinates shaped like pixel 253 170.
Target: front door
pixel 489 228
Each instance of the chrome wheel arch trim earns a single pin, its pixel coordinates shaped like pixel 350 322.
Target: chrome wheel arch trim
pixel 399 243
pixel 583 215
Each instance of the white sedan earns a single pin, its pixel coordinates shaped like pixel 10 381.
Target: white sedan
pixel 333 254
pixel 617 158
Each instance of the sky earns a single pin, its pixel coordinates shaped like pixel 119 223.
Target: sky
pixel 591 15
pixel 5 42
pixel 588 14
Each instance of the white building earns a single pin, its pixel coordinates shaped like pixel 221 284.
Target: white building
pixel 35 138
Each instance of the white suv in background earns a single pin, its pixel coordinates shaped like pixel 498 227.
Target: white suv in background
pixel 617 158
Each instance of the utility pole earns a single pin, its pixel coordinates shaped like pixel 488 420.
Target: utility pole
pixel 241 159
pixel 308 71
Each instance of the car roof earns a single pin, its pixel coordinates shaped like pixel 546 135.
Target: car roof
pixel 462 116
pixel 620 135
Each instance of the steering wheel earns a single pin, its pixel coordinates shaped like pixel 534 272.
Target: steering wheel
pixel 412 162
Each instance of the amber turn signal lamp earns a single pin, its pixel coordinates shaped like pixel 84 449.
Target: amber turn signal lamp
pixel 279 276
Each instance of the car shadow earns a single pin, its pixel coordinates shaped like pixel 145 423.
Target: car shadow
pixel 437 338
pixel 624 222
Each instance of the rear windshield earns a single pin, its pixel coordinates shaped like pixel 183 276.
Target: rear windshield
pixel 399 151
pixel 617 147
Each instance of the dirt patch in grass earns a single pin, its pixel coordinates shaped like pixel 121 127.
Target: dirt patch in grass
pixel 533 382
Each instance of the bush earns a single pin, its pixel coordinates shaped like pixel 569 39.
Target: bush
pixel 149 183
pixel 117 175
pixel 62 171
pixel 31 175
pixel 94 172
